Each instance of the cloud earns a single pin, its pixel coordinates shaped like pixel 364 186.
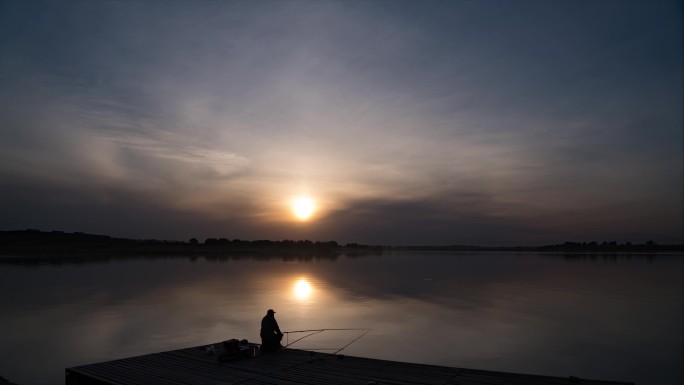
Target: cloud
pixel 223 109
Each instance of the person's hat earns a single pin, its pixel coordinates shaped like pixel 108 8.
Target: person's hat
pixel 270 311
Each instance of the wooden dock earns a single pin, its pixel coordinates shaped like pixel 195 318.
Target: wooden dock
pixel 197 366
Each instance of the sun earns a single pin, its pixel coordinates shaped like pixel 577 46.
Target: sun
pixel 303 207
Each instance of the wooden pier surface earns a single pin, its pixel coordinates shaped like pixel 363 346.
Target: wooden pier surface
pixel 195 366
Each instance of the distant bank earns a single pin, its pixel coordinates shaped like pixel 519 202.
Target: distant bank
pixel 33 241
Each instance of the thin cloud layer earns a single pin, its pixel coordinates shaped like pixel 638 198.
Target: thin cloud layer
pixel 426 122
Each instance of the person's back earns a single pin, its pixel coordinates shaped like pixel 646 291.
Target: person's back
pixel 270 332
pixel 269 325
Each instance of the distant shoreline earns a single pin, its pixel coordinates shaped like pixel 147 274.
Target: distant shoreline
pixel 36 242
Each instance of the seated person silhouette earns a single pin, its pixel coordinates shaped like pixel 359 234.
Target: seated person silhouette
pixel 270 333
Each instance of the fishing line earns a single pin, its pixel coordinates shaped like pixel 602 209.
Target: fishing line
pixel 366 332
pixel 298 339
pixel 316 331
pixel 317 349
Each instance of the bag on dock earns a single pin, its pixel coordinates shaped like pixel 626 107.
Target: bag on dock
pixel 231 346
pixel 233 349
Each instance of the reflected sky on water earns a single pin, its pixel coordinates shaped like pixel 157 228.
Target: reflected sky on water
pixel 596 317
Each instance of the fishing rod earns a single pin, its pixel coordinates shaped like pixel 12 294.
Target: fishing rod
pixel 316 331
pixel 354 340
pixel 312 332
pixel 322 330
pixel 287 343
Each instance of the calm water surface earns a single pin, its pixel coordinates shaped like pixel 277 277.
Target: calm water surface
pixel 607 318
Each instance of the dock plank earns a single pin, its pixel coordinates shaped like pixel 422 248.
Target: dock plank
pixel 196 366
pixel 374 375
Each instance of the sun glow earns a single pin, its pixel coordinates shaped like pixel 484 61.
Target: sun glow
pixel 303 207
pixel 302 289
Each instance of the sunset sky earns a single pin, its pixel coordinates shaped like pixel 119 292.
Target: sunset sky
pixel 393 122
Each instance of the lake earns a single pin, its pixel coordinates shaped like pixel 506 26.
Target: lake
pixel 616 317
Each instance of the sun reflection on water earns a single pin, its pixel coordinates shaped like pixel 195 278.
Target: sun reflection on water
pixel 302 290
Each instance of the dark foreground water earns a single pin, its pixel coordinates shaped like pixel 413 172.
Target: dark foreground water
pixel 616 318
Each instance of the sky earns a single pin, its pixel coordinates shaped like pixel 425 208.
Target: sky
pixel 403 122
